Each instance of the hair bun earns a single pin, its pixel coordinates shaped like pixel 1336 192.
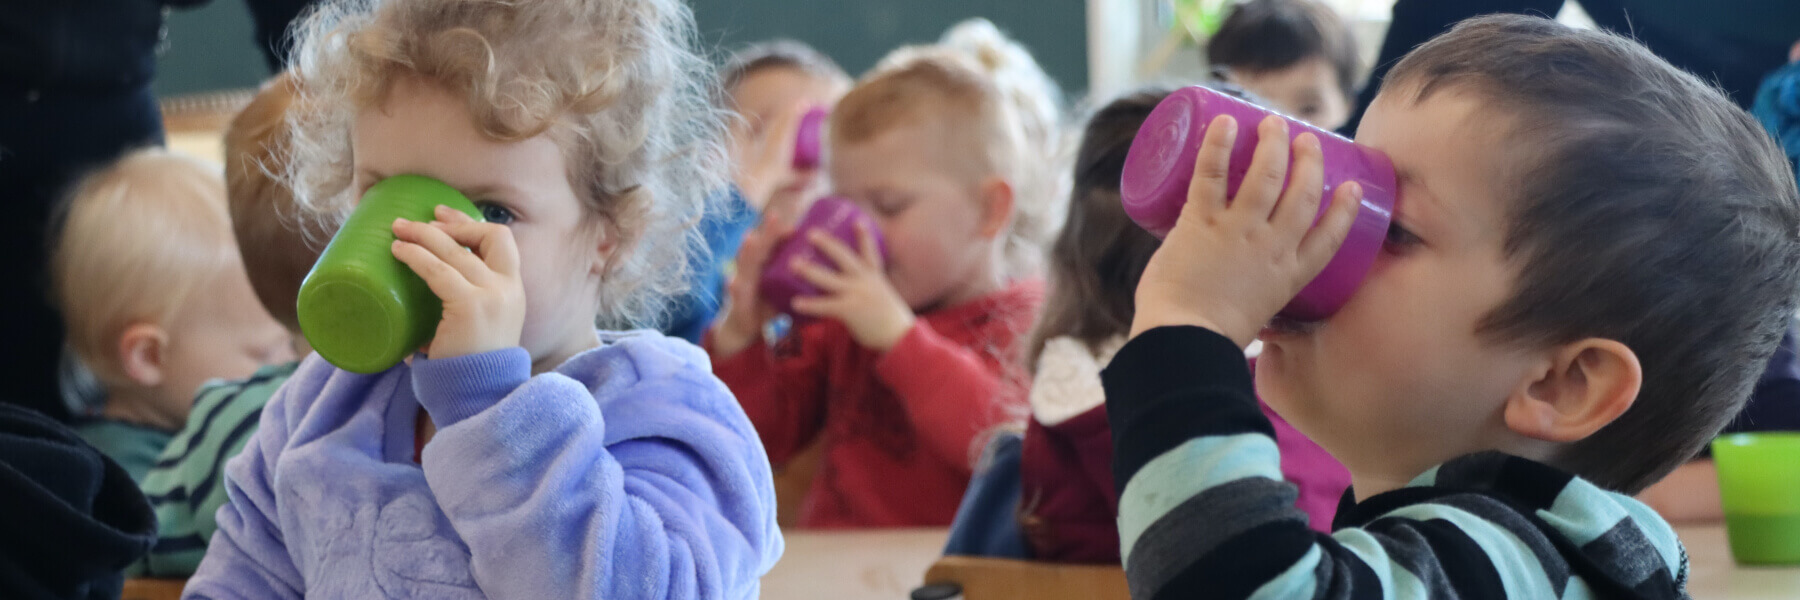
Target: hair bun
pixel 982 40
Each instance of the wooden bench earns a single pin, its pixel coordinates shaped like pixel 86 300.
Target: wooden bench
pixel 153 589
pixel 1005 579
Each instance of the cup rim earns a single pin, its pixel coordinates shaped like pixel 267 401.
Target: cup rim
pixel 1749 438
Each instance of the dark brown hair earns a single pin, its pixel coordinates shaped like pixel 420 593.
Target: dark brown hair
pixel 786 54
pixel 1650 210
pixel 1266 35
pixel 1099 255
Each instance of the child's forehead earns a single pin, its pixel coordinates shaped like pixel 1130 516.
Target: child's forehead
pixel 1452 151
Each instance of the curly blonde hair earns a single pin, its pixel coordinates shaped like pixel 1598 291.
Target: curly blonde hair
pixel 976 80
pixel 617 83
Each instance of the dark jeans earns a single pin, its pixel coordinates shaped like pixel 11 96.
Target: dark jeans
pixel 47 140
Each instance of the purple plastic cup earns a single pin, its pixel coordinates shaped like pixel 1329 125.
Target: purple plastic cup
pixel 1161 163
pixel 833 215
pixel 809 144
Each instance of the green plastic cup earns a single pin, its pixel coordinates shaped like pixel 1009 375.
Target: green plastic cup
pixel 1759 485
pixel 362 309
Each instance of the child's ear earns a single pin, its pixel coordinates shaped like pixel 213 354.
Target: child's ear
pixel 1580 388
pixel 605 245
pixel 141 349
pixel 996 206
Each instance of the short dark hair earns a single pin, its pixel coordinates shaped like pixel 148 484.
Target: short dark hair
pixel 781 53
pixel 1099 255
pixel 1650 210
pixel 1266 35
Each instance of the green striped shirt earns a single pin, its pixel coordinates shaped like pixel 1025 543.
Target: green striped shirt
pixel 186 486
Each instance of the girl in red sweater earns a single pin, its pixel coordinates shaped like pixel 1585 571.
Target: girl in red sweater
pixel 907 360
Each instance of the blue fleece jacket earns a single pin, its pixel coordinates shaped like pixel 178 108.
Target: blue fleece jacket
pixel 627 472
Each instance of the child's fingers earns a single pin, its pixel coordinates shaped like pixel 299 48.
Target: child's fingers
pixel 1323 241
pixel 493 243
pixel 444 213
pixel 847 260
pixel 444 280
pixel 1212 167
pixel 778 138
pixel 1262 183
pixel 1299 205
pixel 443 244
pixel 871 251
pixel 816 306
pixel 826 279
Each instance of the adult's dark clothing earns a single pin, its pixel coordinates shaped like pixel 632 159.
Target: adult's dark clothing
pixel 74 94
pixel 70 518
pixel 1733 42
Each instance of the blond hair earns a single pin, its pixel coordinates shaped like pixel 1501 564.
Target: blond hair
pixel 616 83
pixel 133 242
pixel 263 209
pixel 978 82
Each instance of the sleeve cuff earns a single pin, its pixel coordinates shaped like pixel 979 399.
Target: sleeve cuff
pixel 453 389
pixel 1173 384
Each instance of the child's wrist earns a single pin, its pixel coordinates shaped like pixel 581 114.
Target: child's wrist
pixel 729 338
pixel 1146 320
pixel 889 334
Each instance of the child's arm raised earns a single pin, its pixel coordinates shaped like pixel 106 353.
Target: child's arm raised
pixel 1203 509
pixel 1204 512
pixel 950 391
pixel 785 395
pixel 664 494
pixel 740 326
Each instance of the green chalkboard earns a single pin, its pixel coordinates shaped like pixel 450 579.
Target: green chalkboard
pixel 212 48
pixel 209 48
pixel 859 32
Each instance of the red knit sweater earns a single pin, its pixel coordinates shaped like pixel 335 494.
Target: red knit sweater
pixel 900 428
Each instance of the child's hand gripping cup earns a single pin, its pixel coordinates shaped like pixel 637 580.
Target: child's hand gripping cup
pixel 362 309
pixel 838 217
pixel 809 142
pixel 1160 166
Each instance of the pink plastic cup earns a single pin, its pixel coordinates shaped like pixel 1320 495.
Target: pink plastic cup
pixel 1161 163
pixel 809 144
pixel 835 216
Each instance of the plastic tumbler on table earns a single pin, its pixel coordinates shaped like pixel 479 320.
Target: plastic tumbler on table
pixel 360 308
pixel 809 143
pixel 1161 163
pixel 1759 487
pixel 780 284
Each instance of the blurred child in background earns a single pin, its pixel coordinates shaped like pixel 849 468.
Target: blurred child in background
pixel 1298 55
pixel 911 357
pixel 148 279
pixel 187 485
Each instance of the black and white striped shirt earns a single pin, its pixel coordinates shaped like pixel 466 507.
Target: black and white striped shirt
pixel 1203 510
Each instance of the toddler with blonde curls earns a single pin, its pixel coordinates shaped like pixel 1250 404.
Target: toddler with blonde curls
pixel 522 454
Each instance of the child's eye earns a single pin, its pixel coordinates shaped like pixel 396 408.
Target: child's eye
pixel 889 207
pixel 1399 239
pixel 494 213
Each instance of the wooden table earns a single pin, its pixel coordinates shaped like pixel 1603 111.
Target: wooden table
pixel 1713 576
pixel 881 564
pixel 886 564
